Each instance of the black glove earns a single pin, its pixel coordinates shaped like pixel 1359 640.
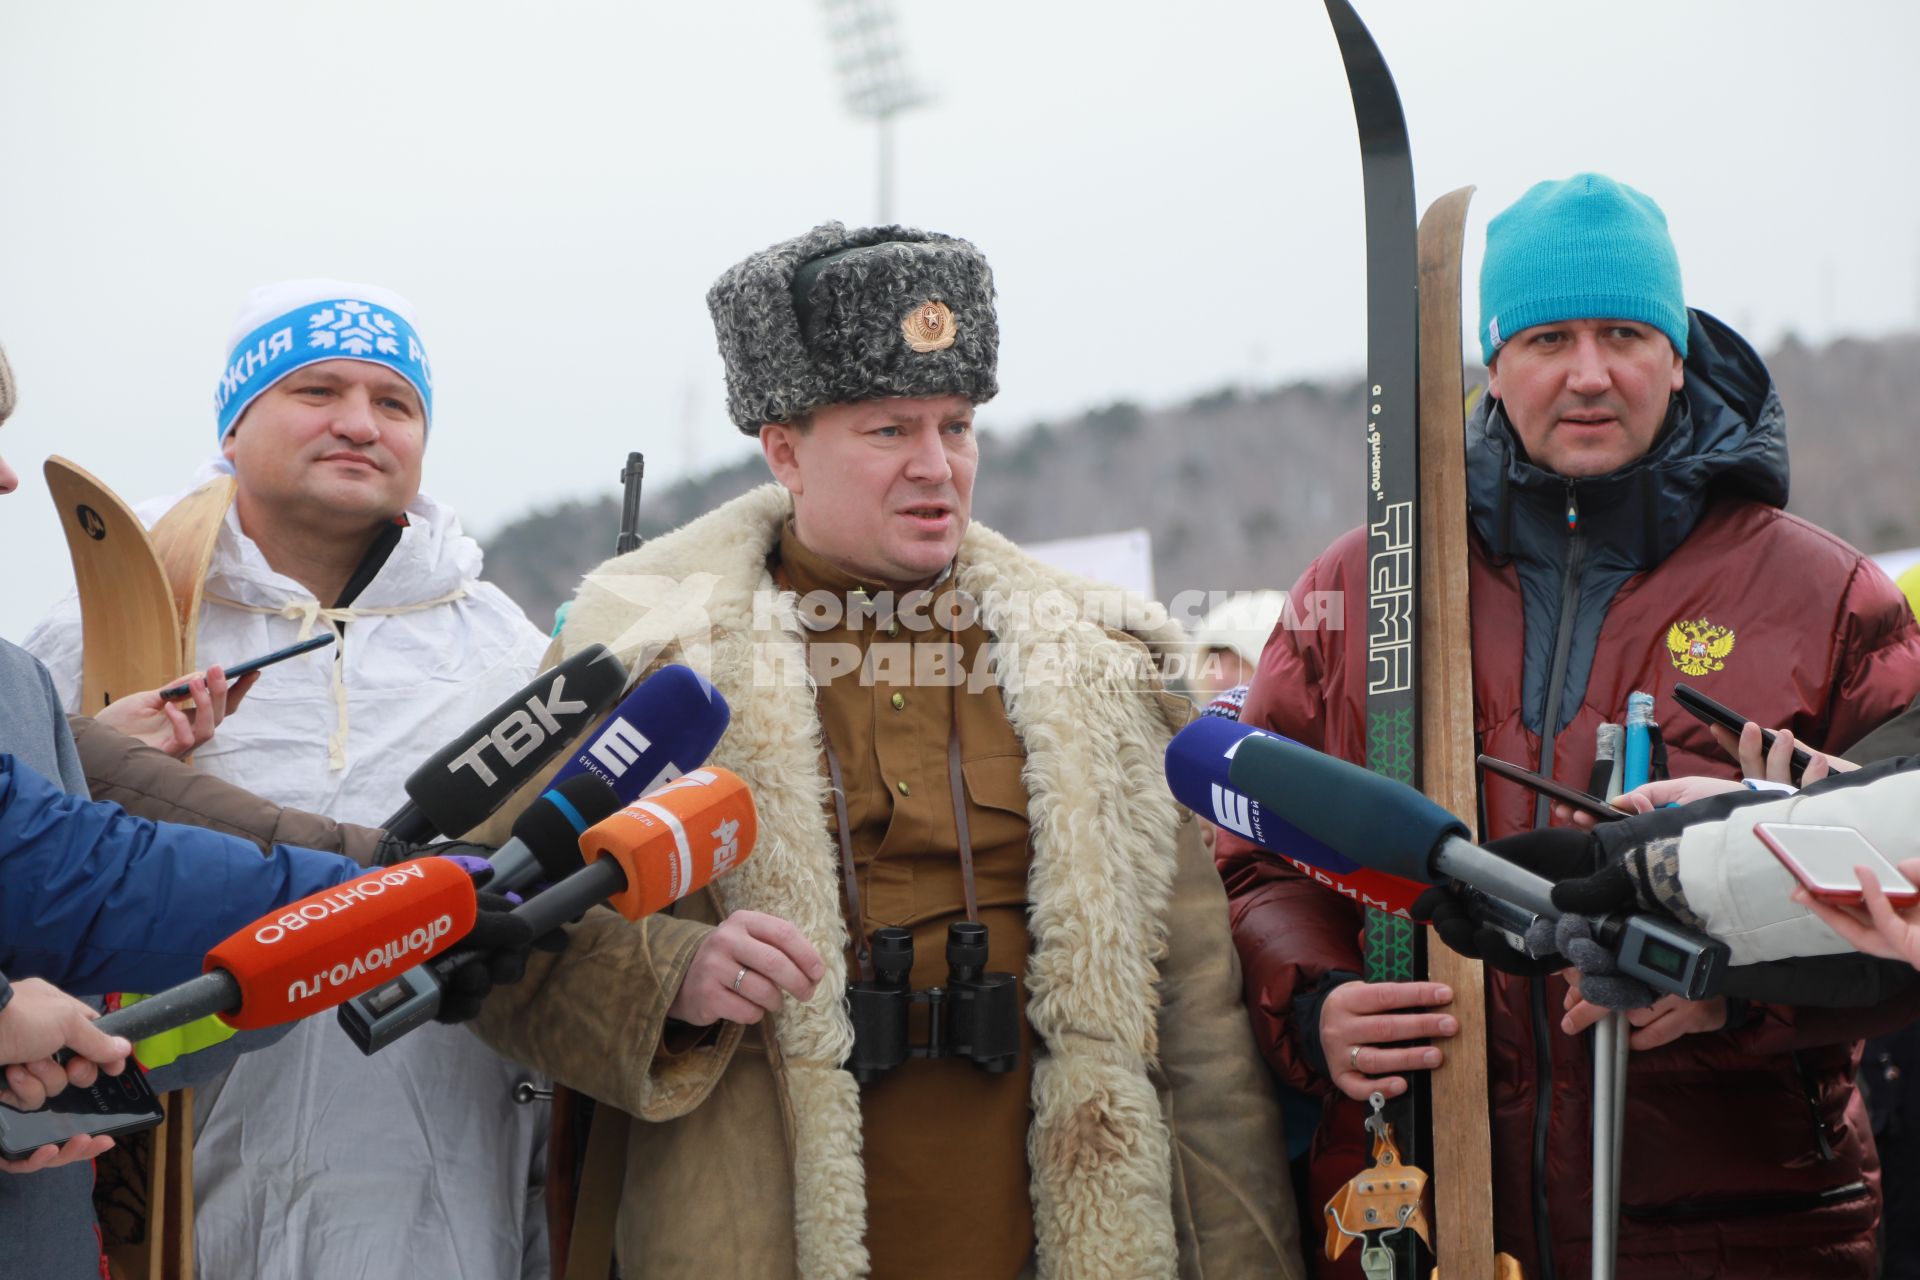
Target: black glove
pixel 1553 853
pixel 1447 908
pixel 389 850
pixel 493 954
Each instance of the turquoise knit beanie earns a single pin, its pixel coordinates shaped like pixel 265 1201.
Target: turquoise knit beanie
pixel 1588 248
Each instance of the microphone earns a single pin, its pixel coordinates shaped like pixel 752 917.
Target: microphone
pixel 669 724
pixel 461 785
pixel 1199 761
pixel 545 836
pixel 1394 829
pixel 667 727
pixel 656 851
pixel 311 955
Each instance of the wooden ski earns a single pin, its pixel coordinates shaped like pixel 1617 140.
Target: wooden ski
pixel 1462 1150
pixel 183 539
pixel 130 629
pixel 140 597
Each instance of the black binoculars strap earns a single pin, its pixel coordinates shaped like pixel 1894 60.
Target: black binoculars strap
pixel 960 817
pixel 862 948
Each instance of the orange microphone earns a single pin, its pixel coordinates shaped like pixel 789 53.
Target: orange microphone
pixel 315 953
pixel 655 851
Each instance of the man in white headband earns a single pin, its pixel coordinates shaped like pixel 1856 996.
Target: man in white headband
pixel 417 1157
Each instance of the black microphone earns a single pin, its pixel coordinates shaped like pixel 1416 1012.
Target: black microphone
pixel 462 784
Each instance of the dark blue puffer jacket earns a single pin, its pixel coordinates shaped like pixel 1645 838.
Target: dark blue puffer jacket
pixel 94 900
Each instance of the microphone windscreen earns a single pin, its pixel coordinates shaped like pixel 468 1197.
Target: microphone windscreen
pixel 1197 762
pixel 331 946
pixel 674 841
pixel 552 825
pixel 667 726
pixel 1382 824
pixel 461 785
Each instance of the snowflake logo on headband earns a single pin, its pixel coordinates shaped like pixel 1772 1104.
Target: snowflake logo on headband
pixel 354 328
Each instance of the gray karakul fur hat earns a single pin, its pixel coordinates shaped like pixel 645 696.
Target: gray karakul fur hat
pixel 837 316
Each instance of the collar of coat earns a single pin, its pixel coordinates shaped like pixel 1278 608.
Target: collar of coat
pixel 1070 659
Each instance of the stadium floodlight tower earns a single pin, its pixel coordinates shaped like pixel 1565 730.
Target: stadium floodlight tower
pixel 873 75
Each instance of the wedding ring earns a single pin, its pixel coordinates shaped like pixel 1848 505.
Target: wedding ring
pixel 1353 1057
pixel 741 977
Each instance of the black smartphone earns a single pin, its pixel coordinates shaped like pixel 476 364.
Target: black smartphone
pixel 1572 798
pixel 252 665
pixel 114 1105
pixel 1704 708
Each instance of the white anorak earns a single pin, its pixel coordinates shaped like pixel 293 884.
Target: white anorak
pixel 314 1160
pixel 1743 895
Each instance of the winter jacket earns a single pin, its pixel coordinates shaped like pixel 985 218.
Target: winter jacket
pixel 1155 1141
pixel 1746 1149
pixel 419 1151
pixel 152 784
pixel 47 1226
pixel 93 900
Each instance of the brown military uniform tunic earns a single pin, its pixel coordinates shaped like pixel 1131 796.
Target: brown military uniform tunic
pixel 944 1141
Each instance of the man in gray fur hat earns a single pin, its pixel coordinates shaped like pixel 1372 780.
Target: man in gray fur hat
pixel 938 730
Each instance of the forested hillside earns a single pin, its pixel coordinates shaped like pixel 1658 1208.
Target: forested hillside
pixel 1241 488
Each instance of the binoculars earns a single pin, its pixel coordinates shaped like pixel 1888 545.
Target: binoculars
pixel 975 1016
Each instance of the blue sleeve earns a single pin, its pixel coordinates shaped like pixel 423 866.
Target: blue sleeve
pixel 94 900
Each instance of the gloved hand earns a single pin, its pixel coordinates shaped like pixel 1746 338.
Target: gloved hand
pixel 1553 853
pixel 493 955
pixel 1601 982
pixel 388 850
pixel 1446 907
pixel 495 951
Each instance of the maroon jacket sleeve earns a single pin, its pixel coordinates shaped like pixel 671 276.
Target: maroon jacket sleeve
pixel 1876 657
pixel 1289 931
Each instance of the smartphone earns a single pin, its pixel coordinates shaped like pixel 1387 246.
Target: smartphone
pixel 1573 799
pixel 252 665
pixel 114 1105
pixel 1823 859
pixel 1704 708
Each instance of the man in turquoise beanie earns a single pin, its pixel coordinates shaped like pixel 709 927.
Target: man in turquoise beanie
pixel 1627 472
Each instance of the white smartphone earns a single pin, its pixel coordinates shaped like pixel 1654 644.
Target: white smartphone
pixel 1823 859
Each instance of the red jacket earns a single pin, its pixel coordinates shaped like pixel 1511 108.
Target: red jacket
pixel 1724 1173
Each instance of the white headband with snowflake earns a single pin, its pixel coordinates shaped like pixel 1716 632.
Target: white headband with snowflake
pixel 287 326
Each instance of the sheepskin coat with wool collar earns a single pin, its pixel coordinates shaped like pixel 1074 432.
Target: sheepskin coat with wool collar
pixel 1101 883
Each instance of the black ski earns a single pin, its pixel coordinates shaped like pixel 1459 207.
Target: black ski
pixel 1394 950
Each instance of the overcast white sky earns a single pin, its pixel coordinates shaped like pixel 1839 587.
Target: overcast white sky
pixel 1170 196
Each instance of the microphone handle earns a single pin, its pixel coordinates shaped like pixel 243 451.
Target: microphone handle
pixel 1467 862
pixel 514 867
pixel 559 903
pixel 215 991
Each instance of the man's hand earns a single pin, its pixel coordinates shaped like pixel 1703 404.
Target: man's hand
pixel 1876 927
pixel 1662 1022
pixel 76 1150
pixel 742 968
pixel 37 1023
pixel 1362 1025
pixel 1775 765
pixel 178 730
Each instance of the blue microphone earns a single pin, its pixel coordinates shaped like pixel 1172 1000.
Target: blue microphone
pixel 667 726
pixel 1198 760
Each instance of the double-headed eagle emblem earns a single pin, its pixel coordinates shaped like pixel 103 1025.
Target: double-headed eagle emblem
pixel 1699 647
